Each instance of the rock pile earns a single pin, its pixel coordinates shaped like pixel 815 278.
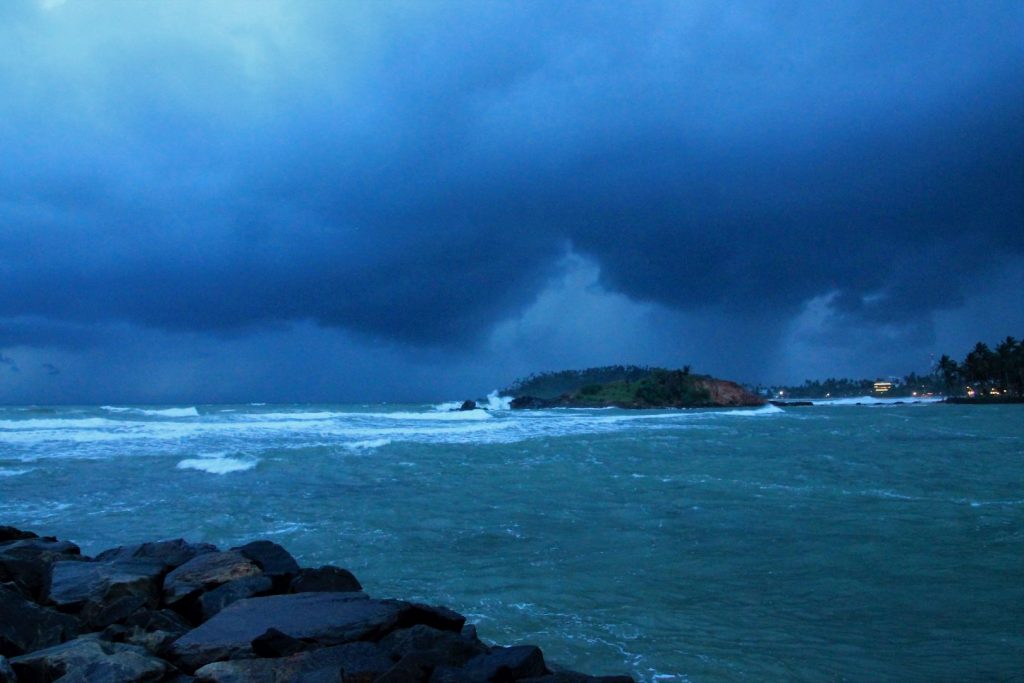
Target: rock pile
pixel 177 611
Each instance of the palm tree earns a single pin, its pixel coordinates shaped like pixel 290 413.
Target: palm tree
pixel 950 372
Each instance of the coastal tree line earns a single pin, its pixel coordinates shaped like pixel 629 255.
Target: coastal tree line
pixel 984 371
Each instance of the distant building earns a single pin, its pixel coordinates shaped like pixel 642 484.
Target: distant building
pixel 882 387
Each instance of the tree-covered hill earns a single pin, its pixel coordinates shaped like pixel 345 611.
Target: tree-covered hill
pixel 627 387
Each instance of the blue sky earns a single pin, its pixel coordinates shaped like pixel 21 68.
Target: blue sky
pixel 320 201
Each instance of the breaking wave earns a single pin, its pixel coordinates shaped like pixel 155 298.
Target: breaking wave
pixel 217 465
pixel 154 412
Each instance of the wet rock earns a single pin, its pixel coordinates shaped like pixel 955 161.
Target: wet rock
pixel 9 533
pixel 27 562
pixel 326 579
pixel 275 561
pixel 25 626
pixel 507 664
pixel 440 618
pixel 351 663
pixel 155 630
pixel 214 601
pixel 531 403
pixel 274 643
pixel 170 554
pixel 468 405
pixel 327 618
pixel 6 672
pixel 451 674
pixel 90 659
pixel 576 677
pixel 205 572
pixel 437 647
pixel 409 669
pixel 249 671
pixel 105 592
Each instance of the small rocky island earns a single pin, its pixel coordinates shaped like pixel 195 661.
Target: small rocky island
pixel 177 611
pixel 629 386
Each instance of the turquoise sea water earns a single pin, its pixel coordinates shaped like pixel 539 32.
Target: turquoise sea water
pixel 844 542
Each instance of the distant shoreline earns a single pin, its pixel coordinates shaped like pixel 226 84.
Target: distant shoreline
pixel 986 400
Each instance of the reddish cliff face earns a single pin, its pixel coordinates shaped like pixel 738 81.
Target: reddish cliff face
pixel 725 393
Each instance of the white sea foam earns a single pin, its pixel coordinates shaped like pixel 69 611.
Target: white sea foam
pixel 872 400
pixel 172 412
pixel 496 402
pixel 432 416
pixel 298 416
pixel 217 465
pixel 62 424
pixel 448 406
pixel 368 444
pixel 14 473
pixel 767 409
pixel 154 412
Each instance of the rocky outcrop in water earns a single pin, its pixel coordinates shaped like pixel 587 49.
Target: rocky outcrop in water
pixel 179 611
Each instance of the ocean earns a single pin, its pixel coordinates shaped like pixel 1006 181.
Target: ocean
pixel 840 542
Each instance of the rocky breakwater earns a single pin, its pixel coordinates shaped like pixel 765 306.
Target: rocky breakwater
pixel 179 611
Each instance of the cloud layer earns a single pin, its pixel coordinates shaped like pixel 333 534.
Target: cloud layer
pixel 412 176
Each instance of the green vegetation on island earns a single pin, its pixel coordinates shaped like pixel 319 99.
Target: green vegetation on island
pixel 627 386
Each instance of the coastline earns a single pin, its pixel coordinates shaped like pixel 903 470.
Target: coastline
pixel 176 611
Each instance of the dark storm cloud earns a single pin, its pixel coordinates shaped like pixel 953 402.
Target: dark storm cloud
pixel 416 171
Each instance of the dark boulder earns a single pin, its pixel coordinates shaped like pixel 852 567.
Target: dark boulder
pixel 214 601
pixel 274 643
pixel 7 674
pixel 9 533
pixel 576 677
pixel 531 403
pixel 89 659
pixel 327 618
pixel 507 664
pixel 351 663
pixel 205 572
pixel 275 561
pixel 440 618
pixel 437 647
pixel 105 592
pixel 326 579
pixel 27 562
pixel 25 626
pixel 410 669
pixel 451 674
pixel 154 630
pixel 170 554
pixel 468 405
